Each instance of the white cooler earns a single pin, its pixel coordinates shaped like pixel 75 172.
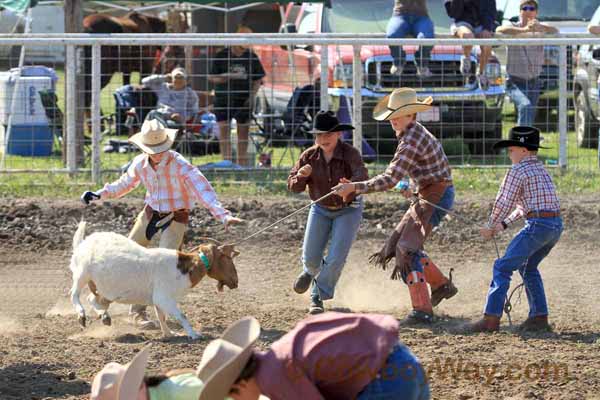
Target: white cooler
pixel 28 108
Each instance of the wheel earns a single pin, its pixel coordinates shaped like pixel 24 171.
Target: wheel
pixel 586 125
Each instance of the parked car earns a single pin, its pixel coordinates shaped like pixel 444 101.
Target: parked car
pixel 585 91
pixel 569 16
pixel 459 110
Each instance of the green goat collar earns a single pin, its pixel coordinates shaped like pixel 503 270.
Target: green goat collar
pixel 204 261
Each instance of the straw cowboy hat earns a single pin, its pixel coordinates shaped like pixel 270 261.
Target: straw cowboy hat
pixel 120 382
pixel 224 359
pixel 400 102
pixel 154 137
pixel 522 136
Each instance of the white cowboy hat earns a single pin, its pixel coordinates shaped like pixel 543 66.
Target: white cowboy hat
pixel 154 137
pixel 120 382
pixel 400 102
pixel 224 359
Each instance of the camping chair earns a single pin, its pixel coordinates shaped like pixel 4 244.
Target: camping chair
pixel 132 105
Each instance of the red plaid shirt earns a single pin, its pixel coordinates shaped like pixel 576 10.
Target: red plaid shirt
pixel 527 187
pixel 174 185
pixel 419 155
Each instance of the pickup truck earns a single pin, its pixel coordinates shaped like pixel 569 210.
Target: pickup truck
pixel 461 110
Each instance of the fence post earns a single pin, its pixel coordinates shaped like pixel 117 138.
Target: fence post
pixel 562 107
pixel 324 90
pixel 357 80
pixel 96 71
pixel 71 109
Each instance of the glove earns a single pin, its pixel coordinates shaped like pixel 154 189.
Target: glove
pixel 88 197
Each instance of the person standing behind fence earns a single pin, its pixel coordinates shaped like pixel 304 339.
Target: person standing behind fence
pixel 320 167
pixel 410 17
pixel 524 63
pixel 473 18
pixel 173 187
pixel 237 74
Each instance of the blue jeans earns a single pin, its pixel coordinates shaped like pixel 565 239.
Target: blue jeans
pixel 447 202
pixel 401 26
pixel 524 253
pixel 339 228
pixel 402 377
pixel 525 95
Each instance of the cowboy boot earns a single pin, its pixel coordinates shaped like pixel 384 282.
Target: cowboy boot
pixel 417 317
pixel 536 324
pixel 441 287
pixel 489 323
pixel 422 312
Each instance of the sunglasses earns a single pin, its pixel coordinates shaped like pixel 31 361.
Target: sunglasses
pixel 529 8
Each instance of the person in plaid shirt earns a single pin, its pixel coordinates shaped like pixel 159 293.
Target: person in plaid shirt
pixel 173 186
pixel 420 156
pixel 526 192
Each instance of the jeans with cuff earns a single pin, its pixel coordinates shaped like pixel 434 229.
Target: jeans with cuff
pixel 525 95
pixel 339 229
pixel 406 25
pixel 524 254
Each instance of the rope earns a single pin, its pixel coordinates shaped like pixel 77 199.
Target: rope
pixel 284 218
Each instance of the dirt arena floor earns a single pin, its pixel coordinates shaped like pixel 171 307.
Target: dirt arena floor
pixel 44 354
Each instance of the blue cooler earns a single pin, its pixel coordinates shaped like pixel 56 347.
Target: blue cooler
pixel 30 140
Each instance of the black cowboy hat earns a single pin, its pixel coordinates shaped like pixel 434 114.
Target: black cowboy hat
pixel 522 136
pixel 326 121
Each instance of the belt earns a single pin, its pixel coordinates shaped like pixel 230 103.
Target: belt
pixel 181 216
pixel 333 208
pixel 543 214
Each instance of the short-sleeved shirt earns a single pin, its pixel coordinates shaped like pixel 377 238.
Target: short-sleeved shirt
pixel 410 7
pixel 524 62
pixel 236 89
pixel 329 356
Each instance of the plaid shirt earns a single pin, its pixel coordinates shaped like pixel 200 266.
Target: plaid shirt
pixel 174 185
pixel 419 155
pixel 528 186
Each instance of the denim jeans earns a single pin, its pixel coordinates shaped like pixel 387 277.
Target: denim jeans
pixel 401 26
pixel 402 377
pixel 447 202
pixel 524 253
pixel 339 228
pixel 525 94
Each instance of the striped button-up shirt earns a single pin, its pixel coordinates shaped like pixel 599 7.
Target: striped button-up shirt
pixel 419 155
pixel 527 187
pixel 175 184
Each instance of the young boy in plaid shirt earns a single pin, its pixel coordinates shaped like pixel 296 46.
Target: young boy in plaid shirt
pixel 173 186
pixel 526 192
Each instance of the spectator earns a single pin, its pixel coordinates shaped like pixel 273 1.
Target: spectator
pixel 594 29
pixel 237 73
pixel 333 220
pixel 473 18
pixel 524 63
pixel 177 102
pixel 329 356
pixel 410 17
pixel 123 382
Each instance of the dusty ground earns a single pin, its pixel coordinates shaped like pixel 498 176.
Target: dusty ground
pixel 45 354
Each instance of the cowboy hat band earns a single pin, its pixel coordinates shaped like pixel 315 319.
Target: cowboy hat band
pixel 328 122
pixel 400 102
pixel 154 137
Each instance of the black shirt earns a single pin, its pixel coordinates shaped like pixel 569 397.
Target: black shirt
pixel 248 63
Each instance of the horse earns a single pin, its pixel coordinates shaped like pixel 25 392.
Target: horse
pixel 124 59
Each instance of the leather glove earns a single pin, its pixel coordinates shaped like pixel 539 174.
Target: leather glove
pixel 88 197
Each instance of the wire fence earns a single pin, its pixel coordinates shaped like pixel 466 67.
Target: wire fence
pixel 243 104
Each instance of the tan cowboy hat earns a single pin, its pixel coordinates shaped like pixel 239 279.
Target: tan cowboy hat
pixel 224 359
pixel 400 102
pixel 154 137
pixel 120 382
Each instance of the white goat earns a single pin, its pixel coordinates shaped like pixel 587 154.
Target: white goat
pixel 117 269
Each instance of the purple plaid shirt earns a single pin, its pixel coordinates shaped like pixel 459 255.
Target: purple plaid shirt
pixel 419 155
pixel 527 187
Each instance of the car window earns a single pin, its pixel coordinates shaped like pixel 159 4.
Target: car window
pixel 555 10
pixel 351 16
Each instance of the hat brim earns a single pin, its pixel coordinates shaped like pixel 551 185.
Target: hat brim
pixel 381 112
pixel 154 149
pixel 508 143
pixel 337 128
pixel 243 333
pixel 129 385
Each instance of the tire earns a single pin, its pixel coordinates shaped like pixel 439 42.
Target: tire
pixel 586 126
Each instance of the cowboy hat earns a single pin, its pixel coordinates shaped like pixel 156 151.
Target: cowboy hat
pixel 120 382
pixel 154 137
pixel 522 136
pixel 224 359
pixel 326 122
pixel 400 102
